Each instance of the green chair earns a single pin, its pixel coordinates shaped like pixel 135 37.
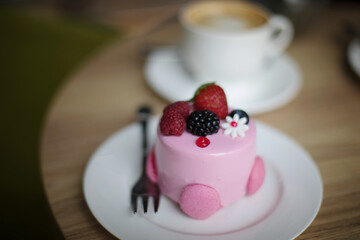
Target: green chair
pixel 38 51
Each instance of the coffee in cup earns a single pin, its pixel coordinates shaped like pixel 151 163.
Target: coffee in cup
pixel 228 16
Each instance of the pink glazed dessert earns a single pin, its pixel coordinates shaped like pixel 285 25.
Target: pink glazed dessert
pixel 206 172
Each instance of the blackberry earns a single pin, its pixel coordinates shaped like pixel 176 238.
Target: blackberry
pixel 203 123
pixel 241 114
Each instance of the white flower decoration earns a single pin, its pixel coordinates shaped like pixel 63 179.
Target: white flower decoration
pixel 235 126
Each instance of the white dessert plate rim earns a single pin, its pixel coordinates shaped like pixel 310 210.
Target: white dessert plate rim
pixel 353 55
pixel 265 91
pixel 107 174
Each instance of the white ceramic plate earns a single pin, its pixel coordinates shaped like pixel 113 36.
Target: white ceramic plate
pixel 272 88
pixel 353 55
pixel 283 208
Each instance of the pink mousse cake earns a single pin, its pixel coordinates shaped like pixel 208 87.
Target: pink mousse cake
pixel 204 172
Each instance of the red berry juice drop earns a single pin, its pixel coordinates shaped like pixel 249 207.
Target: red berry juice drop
pixel 202 142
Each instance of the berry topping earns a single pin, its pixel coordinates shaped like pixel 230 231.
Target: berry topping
pixel 203 123
pixel 172 123
pixel 202 142
pixel 182 107
pixel 211 97
pixel 241 114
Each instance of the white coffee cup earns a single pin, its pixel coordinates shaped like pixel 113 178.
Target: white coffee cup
pixel 230 40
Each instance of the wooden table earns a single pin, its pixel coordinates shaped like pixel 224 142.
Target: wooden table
pixel 101 97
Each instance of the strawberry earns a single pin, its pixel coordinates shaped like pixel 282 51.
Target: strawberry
pixel 211 97
pixel 172 123
pixel 182 107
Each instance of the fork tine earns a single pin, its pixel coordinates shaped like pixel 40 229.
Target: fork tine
pixel 134 203
pixel 156 203
pixel 145 203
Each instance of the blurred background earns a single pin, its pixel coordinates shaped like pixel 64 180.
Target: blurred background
pixel 41 43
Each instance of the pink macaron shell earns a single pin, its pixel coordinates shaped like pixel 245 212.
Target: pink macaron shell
pixel 199 201
pixel 257 176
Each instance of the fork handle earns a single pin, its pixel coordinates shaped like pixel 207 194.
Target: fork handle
pixel 144 143
pixel 143 115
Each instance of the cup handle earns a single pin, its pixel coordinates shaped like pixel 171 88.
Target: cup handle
pixel 279 43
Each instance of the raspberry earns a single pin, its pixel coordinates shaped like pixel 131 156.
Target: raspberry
pixel 172 123
pixel 182 107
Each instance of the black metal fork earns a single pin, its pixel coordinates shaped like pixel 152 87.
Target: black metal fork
pixel 144 188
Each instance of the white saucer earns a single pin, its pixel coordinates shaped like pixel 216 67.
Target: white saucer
pixel 353 54
pixel 283 208
pixel 277 85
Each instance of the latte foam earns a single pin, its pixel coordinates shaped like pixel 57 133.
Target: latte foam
pixel 224 15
